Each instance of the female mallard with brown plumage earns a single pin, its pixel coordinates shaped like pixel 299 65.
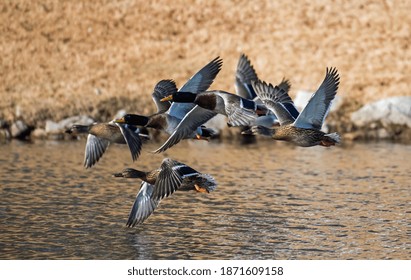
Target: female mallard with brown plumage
pixel 100 135
pixel 305 130
pixel 162 182
pixel 245 75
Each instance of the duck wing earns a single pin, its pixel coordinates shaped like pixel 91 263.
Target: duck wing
pixel 143 206
pixel 285 85
pixel 187 126
pixel 162 89
pixel 314 113
pixel 245 73
pixel 132 138
pixel 240 111
pixel 275 98
pixel 170 178
pixel 95 148
pixel 199 82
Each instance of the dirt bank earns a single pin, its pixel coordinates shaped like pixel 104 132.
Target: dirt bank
pixel 63 58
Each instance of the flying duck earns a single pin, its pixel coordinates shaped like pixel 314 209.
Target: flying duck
pixel 162 182
pixel 305 129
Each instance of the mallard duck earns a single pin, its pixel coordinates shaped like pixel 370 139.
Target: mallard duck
pixel 240 111
pixel 162 182
pixel 244 77
pixel 305 129
pixel 173 118
pixel 161 90
pixel 100 135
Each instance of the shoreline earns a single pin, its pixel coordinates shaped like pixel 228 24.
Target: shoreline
pixel 338 120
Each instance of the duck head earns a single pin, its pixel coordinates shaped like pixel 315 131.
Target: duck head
pixel 133 119
pixel 78 129
pixel 182 97
pixel 131 173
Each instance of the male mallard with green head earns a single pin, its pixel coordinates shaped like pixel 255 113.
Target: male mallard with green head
pixel 176 120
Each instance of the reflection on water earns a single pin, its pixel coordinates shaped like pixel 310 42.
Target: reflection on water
pixel 274 201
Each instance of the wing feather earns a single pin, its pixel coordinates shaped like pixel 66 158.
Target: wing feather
pixel 95 148
pixel 316 110
pixel 199 82
pixel 143 206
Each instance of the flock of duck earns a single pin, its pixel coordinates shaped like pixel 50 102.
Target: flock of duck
pixel 258 107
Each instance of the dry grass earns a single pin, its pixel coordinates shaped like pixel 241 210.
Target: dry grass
pixel 56 55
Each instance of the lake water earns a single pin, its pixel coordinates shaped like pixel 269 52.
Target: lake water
pixel 273 201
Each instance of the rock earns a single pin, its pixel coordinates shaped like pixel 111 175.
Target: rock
pixel 4 134
pixel 382 133
pixel 4 124
pixel 20 130
pixel 387 112
pixel 56 128
pixel 68 122
pixel 39 133
pixel 120 114
pixel 52 127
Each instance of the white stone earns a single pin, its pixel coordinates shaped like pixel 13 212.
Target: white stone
pixel 389 111
pixel 52 127
pixel 18 128
pixel 120 114
pixel 61 126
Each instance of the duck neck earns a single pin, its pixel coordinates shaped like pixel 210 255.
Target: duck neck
pixel 158 121
pixel 78 128
pixel 134 173
pixel 206 101
pixel 137 120
pixel 184 97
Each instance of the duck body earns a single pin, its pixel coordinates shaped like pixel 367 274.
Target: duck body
pixel 240 111
pixel 108 131
pixel 100 135
pixel 182 120
pixel 162 182
pixel 299 136
pixel 302 129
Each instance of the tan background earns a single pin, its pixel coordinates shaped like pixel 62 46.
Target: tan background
pixel 62 58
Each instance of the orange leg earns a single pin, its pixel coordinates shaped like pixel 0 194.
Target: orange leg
pixel 200 189
pixel 326 143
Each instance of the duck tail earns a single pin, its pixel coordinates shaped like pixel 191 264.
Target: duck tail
pixel 209 132
pixel 334 137
pixel 206 181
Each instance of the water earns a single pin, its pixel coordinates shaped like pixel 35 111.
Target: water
pixel 274 201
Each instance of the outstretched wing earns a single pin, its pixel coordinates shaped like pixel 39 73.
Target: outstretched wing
pixel 314 113
pixel 143 206
pixel 200 82
pixel 171 177
pixel 274 99
pixel 285 85
pixel 162 89
pixel 132 139
pixel 187 126
pixel 244 75
pixel 95 148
